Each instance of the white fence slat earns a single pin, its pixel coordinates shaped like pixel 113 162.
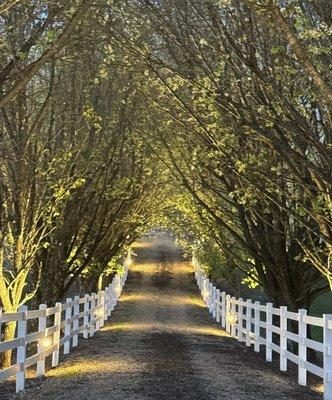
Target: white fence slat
pixel 292 315
pixel 21 350
pixel 41 342
pixel 283 338
pixel 68 313
pixel 12 316
pixel 302 372
pixel 8 372
pixel 312 344
pixel 10 344
pixel 32 314
pixel 314 321
pixel 76 320
pixel 268 332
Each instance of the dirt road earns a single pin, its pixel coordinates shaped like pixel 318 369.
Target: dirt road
pixel 161 344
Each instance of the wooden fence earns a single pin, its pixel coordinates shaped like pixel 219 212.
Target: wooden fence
pixel 277 329
pixel 58 326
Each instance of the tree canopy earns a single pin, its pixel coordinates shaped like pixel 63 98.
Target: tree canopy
pixel 210 117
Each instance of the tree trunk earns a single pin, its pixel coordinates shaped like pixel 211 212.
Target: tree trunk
pixel 9 334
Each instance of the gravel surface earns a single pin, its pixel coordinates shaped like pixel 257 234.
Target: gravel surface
pixel 162 344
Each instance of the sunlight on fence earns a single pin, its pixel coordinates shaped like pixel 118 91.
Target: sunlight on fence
pixel 58 326
pixel 277 329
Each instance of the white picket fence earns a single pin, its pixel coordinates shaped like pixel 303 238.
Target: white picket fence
pixel 256 324
pixel 58 326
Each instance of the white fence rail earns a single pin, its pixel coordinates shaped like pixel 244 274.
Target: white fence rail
pixel 58 326
pixel 276 328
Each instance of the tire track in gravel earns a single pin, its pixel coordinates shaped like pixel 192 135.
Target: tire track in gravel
pixel 161 344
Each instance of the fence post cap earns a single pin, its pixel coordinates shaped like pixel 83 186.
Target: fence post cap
pixel 302 313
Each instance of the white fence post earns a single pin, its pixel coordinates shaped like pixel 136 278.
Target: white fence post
pixel 233 317
pixel 109 304
pixel 76 320
pixel 214 301
pixel 98 308
pixel 86 316
pixel 56 335
pixel 92 314
pixel 228 314
pixel 113 295
pixel 210 300
pixel 21 349
pixel 240 321
pixel 205 291
pixel 248 323
pixel 302 372
pixel 42 341
pixel 68 313
pixel 106 301
pixel 218 305
pixel 327 356
pixel 257 327
pixel 268 332
pixel 283 338
pixel 223 309
pixel 102 309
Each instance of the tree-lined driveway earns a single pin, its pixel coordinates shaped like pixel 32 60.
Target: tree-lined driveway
pixel 162 344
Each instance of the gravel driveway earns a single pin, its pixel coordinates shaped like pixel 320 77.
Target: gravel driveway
pixel 161 344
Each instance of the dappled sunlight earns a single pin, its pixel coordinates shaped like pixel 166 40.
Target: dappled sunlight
pixel 129 326
pixel 319 387
pixel 173 301
pixel 146 268
pixel 141 245
pixel 90 365
pixel 149 268
pixel 199 330
pixel 181 328
pixel 135 297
